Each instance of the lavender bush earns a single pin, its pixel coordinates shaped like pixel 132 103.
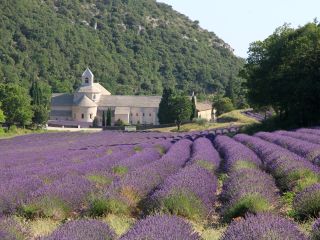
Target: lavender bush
pixel 245 192
pixel 189 193
pixel 315 232
pixel 307 202
pixel 161 227
pixel 82 230
pixel 263 226
pixel 305 149
pixel 130 190
pixel 11 230
pixel 291 171
pixel 235 154
pixel 204 154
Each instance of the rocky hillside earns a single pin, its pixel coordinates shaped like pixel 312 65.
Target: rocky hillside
pixel 132 46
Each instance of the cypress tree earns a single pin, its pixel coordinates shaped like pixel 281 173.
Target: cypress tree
pixel 109 117
pixel 103 118
pixel 164 114
pixel 194 108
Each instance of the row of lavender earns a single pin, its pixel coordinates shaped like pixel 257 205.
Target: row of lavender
pixel 163 184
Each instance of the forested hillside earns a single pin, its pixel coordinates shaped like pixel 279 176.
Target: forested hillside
pixel 132 46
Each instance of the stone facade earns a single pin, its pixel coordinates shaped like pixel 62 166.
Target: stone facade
pixel 91 99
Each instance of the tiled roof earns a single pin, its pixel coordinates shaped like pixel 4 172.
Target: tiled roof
pixel 62 99
pixel 130 101
pixel 203 106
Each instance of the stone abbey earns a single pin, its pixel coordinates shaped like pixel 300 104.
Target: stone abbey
pixel 91 99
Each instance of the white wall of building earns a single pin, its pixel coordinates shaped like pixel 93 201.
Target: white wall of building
pixel 84 114
pixel 207 114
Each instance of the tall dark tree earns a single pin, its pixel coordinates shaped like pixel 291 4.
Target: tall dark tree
pixel 40 94
pixel 109 117
pixel 104 119
pixel 194 107
pixel 164 113
pixel 181 109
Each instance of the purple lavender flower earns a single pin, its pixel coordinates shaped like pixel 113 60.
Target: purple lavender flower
pixel 307 202
pixel 305 149
pixel 315 233
pixel 161 227
pixel 138 183
pixel 290 170
pixel 235 154
pixel 263 226
pixel 83 230
pixel 245 191
pixel 11 230
pixel 189 193
pixel 203 153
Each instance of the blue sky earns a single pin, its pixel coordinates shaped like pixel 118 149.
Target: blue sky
pixel 240 22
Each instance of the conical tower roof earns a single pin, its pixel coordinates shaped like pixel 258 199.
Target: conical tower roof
pixel 84 101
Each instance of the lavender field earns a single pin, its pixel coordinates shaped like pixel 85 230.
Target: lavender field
pixel 131 186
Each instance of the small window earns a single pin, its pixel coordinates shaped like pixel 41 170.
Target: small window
pixel 137 114
pixel 143 114
pixel 90 115
pixel 131 114
pixel 86 80
pixel 82 116
pixel 94 96
pixel 150 114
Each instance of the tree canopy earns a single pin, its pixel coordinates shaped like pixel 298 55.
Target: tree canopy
pixel 133 47
pixel 283 72
pixel 16 104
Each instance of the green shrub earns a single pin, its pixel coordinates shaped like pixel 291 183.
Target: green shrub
pixel 243 165
pixel 102 206
pixel 206 165
pixel 253 203
pixel 120 170
pixel 99 180
pixel 183 204
pixel 46 207
pixel 200 121
pixel 307 202
pixel 137 148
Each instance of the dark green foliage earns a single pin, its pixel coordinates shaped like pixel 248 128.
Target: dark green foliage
pixel 120 170
pixel 248 204
pixel 2 116
pixel 183 204
pixel 40 94
pixel 138 47
pixel 16 104
pixel 40 114
pixel 95 122
pixel 283 72
pixel 109 115
pixel 193 108
pixel 181 108
pixel 104 119
pixel 119 123
pixel 164 113
pixel 102 206
pixel 223 105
